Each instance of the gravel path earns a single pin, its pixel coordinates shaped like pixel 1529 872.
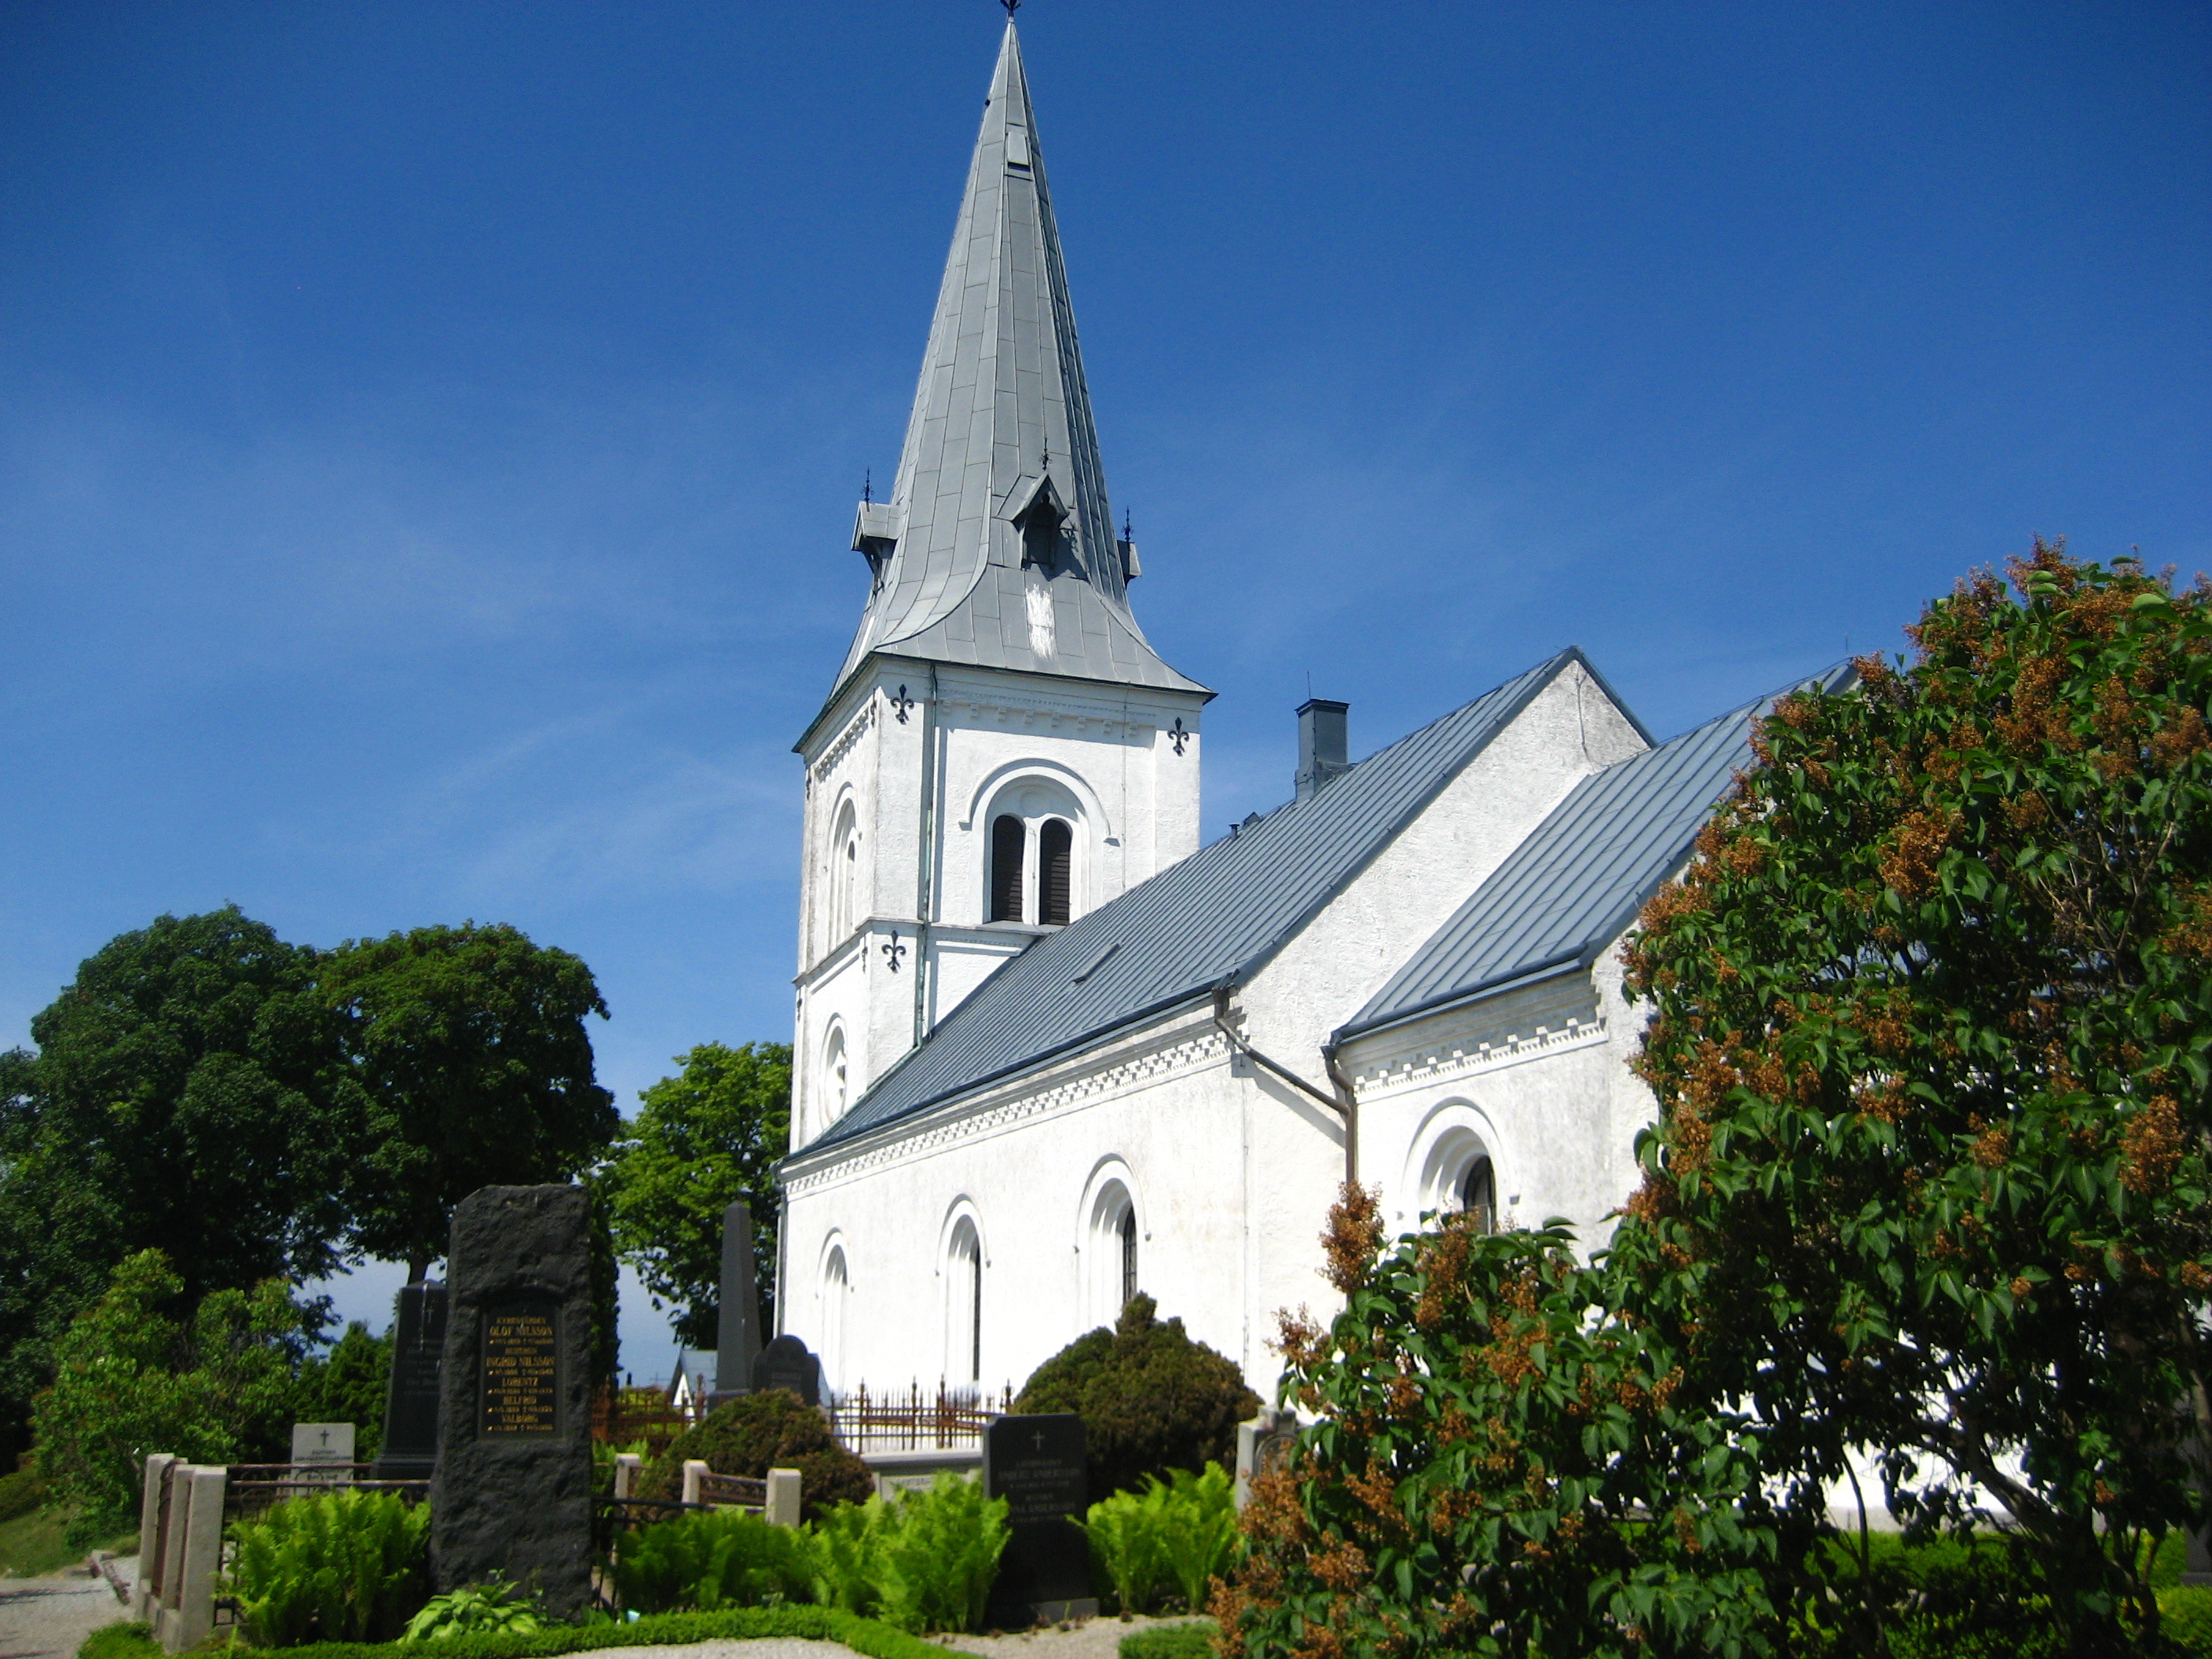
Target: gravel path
pixel 47 1618
pixel 1088 1638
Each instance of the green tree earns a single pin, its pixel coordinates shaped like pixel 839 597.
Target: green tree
pixel 706 1138
pixel 179 1100
pixel 1932 1046
pixel 132 1378
pixel 467 1059
pixel 350 1384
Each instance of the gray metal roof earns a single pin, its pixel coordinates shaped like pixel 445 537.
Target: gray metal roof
pixel 1001 417
pixel 1577 882
pixel 1217 914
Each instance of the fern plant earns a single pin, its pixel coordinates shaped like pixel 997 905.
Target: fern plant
pixel 339 1566
pixel 848 1555
pixel 940 1555
pixel 495 1608
pixel 1178 1533
pixel 728 1559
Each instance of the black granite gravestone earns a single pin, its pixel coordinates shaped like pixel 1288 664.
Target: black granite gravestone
pixel 512 1497
pixel 409 1447
pixel 786 1363
pixel 1035 1463
pixel 738 1317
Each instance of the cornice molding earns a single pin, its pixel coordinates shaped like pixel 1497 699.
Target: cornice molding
pixel 1186 1046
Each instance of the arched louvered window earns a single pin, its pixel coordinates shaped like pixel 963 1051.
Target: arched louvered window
pixel 1055 843
pixel 1008 838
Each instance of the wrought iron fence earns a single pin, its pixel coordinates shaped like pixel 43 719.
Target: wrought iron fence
pixel 624 1417
pixel 913 1421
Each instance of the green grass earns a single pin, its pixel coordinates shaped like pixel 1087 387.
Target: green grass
pixel 1193 1639
pixel 33 1544
pixel 863 1636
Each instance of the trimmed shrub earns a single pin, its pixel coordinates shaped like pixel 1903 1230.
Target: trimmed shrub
pixel 340 1566
pixel 774 1429
pixel 709 1562
pixel 1150 1399
pixel 864 1636
pixel 1191 1640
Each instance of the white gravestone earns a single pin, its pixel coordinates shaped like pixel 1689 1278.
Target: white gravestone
pixel 315 1443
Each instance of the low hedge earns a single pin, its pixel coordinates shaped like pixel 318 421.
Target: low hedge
pixel 1192 1639
pixel 865 1636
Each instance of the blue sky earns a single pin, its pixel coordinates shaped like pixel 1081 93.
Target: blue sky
pixel 430 433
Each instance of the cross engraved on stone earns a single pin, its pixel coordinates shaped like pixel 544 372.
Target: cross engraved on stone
pixel 1178 736
pixel 1037 1440
pixel 900 704
pixel 893 950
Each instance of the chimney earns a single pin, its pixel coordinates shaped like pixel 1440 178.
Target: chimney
pixel 1321 743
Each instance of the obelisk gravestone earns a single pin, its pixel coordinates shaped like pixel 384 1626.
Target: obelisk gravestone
pixel 738 1341
pixel 512 1497
pixel 410 1444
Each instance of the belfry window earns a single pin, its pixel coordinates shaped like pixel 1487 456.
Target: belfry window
pixel 1031 876
pixel 1056 849
pixel 1009 842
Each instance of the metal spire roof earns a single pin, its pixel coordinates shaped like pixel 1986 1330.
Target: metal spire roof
pixel 997 545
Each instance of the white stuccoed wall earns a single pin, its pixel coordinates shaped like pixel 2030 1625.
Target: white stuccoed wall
pixel 1539 1074
pixel 1232 1176
pixel 983 737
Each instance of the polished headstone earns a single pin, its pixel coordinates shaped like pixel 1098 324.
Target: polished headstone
pixel 1035 1463
pixel 512 1497
pixel 409 1448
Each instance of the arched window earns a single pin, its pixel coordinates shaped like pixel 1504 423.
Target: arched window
pixel 1478 1193
pixel 844 873
pixel 833 1091
pixel 1055 850
pixel 964 1304
pixel 1107 1246
pixel 834 1289
pixel 1008 840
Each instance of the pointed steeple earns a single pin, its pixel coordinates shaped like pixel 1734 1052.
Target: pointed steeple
pixel 997 545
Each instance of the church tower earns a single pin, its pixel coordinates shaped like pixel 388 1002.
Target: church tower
pixel 1002 751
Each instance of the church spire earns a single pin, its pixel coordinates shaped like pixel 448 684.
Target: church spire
pixel 997 544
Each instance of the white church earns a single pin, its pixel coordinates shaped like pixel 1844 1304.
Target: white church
pixel 1049 1049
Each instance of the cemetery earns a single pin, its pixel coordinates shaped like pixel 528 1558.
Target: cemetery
pixel 498 1506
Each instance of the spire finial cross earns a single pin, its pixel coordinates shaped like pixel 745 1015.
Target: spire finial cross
pixel 1011 6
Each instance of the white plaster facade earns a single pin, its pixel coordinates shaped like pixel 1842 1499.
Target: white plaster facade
pixel 906 771
pixel 1229 1171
